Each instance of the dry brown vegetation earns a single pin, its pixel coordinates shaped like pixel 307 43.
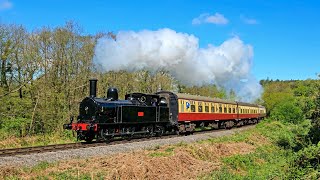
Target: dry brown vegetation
pixel 167 162
pixel 258 139
pixel 16 142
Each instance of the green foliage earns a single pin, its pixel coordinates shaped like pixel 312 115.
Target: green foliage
pixel 63 175
pixel 275 93
pixel 167 152
pixel 315 130
pixel 306 163
pixel 287 136
pixel 309 157
pixel 268 161
pixel 287 112
pixel 302 93
pixel 206 90
pixel 41 166
pixel 289 156
pixel 314 134
pixel 265 163
pixel 160 154
pixel 14 127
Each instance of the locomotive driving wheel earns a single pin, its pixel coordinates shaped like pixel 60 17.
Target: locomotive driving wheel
pixel 150 130
pixel 105 135
pixel 159 131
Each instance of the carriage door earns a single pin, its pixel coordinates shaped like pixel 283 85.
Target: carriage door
pixel 172 101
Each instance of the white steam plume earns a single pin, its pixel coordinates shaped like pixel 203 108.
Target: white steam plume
pixel 227 65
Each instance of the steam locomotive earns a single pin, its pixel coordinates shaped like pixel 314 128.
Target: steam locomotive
pixel 156 114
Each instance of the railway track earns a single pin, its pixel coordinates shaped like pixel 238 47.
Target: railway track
pixel 60 147
pixel 38 149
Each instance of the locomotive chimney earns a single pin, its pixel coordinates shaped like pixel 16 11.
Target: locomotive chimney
pixel 93 87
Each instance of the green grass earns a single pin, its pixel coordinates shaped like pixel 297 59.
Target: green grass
pixel 165 153
pixel 270 161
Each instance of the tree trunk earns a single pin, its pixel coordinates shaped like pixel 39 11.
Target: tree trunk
pixel 4 82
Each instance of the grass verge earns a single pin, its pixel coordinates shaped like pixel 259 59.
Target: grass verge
pixel 259 153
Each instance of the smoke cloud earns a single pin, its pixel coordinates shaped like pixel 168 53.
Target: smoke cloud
pixel 228 65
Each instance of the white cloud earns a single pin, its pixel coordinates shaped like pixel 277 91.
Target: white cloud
pixel 227 65
pixel 247 20
pixel 217 18
pixel 5 4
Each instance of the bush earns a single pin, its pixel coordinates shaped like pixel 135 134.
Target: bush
pixel 306 163
pixel 17 127
pixel 288 112
pixel 314 133
pixel 309 157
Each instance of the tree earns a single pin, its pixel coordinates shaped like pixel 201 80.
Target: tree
pixel 287 112
pixel 314 133
pixel 6 47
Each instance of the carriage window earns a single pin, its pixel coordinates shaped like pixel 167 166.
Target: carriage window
pixel 193 108
pixel 212 109
pixel 225 110
pixel 220 109
pixel 182 107
pixel 206 108
pixel 199 108
pixel 234 110
pixel 230 110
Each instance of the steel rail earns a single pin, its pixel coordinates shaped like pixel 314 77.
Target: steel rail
pixel 78 145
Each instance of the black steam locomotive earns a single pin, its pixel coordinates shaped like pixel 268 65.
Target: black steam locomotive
pixel 139 114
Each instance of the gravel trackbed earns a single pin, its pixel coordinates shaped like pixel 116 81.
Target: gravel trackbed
pixel 34 159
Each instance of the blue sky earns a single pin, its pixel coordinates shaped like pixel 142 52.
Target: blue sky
pixel 284 35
